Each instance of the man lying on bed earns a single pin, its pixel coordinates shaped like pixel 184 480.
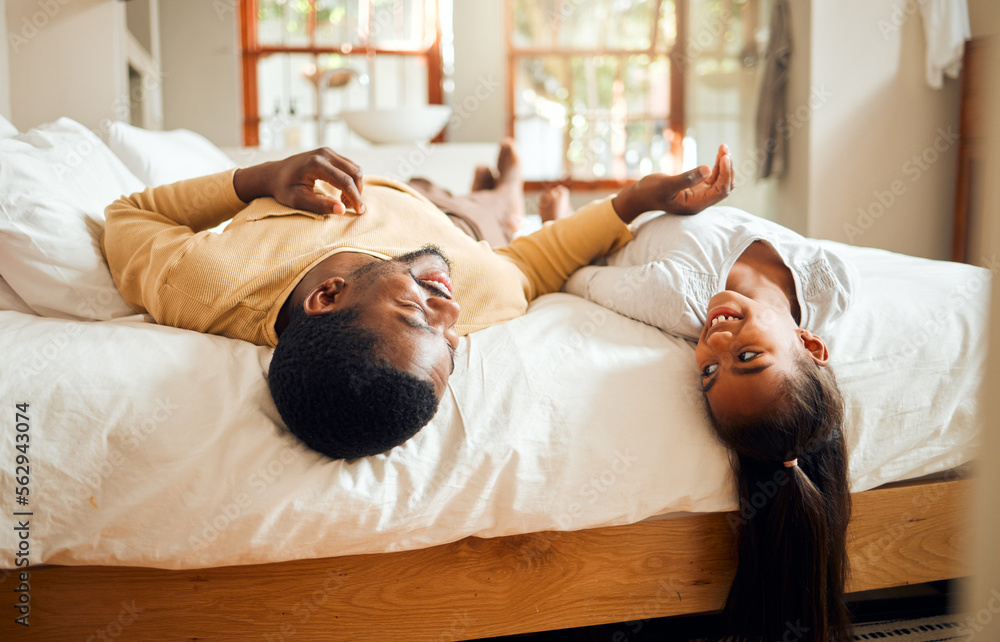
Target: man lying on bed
pixel 362 286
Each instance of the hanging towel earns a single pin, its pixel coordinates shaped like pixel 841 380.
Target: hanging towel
pixel 946 27
pixel 771 138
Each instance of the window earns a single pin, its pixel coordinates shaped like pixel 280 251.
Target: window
pixel 305 60
pixel 596 96
pixel 723 62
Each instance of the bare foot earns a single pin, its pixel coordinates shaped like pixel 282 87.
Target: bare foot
pixel 554 203
pixel 496 202
pixel 484 179
pixel 511 185
pixel 508 164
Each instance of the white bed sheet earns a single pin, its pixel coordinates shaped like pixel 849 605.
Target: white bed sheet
pixel 153 446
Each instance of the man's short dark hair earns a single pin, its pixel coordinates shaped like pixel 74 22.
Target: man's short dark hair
pixel 335 392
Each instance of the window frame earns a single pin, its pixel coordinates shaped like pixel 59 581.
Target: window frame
pixel 676 55
pixel 252 52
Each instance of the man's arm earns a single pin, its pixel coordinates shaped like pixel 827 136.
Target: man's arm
pixel 551 254
pixel 548 256
pixel 146 233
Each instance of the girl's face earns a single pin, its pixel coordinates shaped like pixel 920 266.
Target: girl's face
pixel 745 350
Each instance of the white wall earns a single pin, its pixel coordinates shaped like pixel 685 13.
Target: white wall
pixel 480 76
pixel 4 66
pixel 875 165
pixel 66 60
pixel 793 188
pixel 200 57
pixel 984 17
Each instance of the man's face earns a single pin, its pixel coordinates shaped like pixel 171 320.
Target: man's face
pixel 408 302
pixel 744 351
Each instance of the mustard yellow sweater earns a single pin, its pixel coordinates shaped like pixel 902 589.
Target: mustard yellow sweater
pixel 166 262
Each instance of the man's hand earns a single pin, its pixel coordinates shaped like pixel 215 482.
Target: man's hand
pixel 687 193
pixel 291 182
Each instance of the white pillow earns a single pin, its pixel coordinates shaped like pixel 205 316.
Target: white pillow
pixel 55 181
pixel 7 128
pixel 158 158
pixel 10 301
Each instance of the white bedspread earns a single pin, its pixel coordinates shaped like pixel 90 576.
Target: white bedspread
pixel 153 446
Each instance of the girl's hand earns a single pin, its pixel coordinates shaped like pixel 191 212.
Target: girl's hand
pixel 685 194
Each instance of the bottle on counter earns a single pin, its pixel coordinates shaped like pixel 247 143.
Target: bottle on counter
pixel 272 129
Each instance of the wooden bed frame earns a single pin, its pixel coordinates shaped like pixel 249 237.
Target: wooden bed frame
pixel 903 533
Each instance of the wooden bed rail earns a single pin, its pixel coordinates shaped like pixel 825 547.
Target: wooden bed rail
pixel 476 587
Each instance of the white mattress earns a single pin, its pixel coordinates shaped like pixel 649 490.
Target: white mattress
pixel 152 446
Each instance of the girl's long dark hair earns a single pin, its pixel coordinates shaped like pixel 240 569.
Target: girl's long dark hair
pixel 792 523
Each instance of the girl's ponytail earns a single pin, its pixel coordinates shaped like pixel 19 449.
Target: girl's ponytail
pixel 792 522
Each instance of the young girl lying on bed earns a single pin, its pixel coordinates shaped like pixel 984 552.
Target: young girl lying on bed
pixel 756 297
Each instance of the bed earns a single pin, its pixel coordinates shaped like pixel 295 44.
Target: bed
pixel 569 477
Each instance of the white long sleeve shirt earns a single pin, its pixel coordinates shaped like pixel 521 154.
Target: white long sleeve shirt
pixel 675 264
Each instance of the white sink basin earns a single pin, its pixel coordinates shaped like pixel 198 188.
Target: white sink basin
pixel 398 126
